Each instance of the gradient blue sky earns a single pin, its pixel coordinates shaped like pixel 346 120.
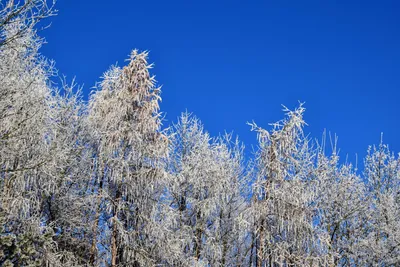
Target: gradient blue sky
pixel 230 62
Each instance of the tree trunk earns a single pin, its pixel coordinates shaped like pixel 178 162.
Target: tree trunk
pixel 260 254
pixel 93 249
pixel 114 242
pixel 199 233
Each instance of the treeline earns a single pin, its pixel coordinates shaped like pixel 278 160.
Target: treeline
pixel 101 183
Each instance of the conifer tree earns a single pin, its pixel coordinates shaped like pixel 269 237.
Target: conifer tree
pixel 126 122
pixel 283 195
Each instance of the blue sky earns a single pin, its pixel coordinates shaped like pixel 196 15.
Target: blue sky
pixel 230 62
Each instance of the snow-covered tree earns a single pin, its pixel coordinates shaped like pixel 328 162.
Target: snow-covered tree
pixel 202 199
pixel 24 124
pixel 342 206
pixel 39 147
pixel 23 16
pixel 381 246
pixel 282 204
pixel 124 115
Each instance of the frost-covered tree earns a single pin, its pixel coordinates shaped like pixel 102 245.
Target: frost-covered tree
pixel 342 206
pixel 39 145
pixel 23 15
pixel 282 205
pixel 24 124
pixel 381 246
pixel 67 206
pixel 202 200
pixel 124 115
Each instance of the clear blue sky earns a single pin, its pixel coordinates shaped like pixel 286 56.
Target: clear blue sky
pixel 230 62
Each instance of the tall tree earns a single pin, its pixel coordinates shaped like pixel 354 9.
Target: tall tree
pixel 124 116
pixel 39 147
pixel 283 196
pixel 25 109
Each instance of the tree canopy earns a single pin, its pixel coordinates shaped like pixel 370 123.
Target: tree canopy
pixel 103 183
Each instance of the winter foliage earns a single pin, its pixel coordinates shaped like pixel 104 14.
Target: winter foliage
pixel 103 183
